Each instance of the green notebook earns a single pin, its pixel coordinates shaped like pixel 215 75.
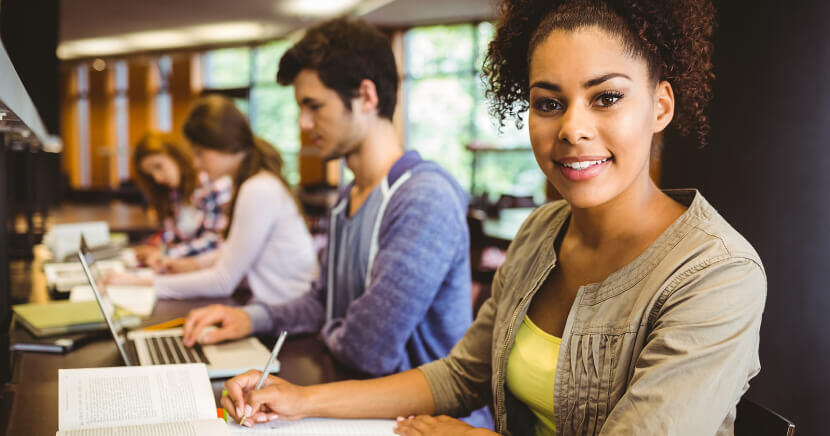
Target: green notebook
pixel 62 317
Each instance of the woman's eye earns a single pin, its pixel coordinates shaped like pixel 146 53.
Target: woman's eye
pixel 608 99
pixel 546 105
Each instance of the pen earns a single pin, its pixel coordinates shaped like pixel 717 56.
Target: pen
pixel 273 356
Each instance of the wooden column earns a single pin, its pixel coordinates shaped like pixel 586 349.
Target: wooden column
pixel 140 94
pixel 69 122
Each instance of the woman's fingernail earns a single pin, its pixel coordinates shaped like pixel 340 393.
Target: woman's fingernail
pixel 399 419
pixel 248 410
pixel 411 416
pixel 272 417
pixel 261 418
pixel 248 424
pixel 238 411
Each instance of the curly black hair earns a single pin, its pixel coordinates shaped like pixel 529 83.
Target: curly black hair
pixel 674 37
pixel 344 52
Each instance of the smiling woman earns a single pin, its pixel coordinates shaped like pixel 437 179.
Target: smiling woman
pixel 621 309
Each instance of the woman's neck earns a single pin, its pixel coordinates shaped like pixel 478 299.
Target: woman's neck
pixel 640 213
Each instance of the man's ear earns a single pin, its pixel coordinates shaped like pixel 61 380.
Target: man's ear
pixel 664 105
pixel 367 95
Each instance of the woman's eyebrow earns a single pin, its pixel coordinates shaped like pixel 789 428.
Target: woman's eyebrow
pixel 550 86
pixel 596 81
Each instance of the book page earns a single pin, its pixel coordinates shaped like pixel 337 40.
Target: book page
pixel 113 397
pixel 214 427
pixel 318 427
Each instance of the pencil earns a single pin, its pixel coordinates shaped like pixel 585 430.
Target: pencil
pixel 176 322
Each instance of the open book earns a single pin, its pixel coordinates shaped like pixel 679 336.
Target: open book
pixel 137 401
pixel 170 400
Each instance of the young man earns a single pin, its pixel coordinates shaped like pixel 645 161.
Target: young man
pixel 395 287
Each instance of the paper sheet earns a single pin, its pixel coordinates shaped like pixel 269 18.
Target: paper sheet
pixel 318 427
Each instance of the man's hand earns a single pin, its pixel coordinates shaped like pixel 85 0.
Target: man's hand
pixel 233 324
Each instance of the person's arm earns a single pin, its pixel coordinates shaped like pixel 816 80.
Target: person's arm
pixel 422 233
pixel 304 314
pixel 257 210
pixel 207 241
pixel 402 394
pixel 699 356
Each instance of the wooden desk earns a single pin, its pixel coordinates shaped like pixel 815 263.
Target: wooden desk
pixel 121 217
pixel 34 382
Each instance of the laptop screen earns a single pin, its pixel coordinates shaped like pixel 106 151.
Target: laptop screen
pixel 87 259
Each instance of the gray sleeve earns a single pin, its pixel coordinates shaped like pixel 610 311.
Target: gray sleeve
pixel 260 318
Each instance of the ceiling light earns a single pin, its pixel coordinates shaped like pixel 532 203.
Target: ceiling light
pixel 217 33
pixel 316 8
pixel 99 64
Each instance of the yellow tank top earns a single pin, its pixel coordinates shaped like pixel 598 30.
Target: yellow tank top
pixel 531 367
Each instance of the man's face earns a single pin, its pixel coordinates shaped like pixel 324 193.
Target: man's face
pixel 329 124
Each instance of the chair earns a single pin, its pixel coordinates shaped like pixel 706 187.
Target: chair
pixel 482 277
pixel 753 419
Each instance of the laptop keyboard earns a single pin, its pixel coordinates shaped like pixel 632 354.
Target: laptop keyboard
pixel 170 349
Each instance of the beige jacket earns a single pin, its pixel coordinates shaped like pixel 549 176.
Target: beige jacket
pixel 664 346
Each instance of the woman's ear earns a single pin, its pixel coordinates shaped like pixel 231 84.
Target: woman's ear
pixel 367 95
pixel 664 106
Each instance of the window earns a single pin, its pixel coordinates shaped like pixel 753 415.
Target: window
pixel 446 111
pixel 248 75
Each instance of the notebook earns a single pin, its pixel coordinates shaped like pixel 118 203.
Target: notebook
pixel 137 401
pixel 64 317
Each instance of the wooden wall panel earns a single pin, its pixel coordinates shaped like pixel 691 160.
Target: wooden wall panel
pixel 767 171
pixel 101 128
pixel 182 90
pixel 70 162
pixel 141 97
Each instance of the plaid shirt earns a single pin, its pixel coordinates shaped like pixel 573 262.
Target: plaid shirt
pixel 197 227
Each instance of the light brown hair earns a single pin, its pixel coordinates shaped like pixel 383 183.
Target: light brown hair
pixel 215 123
pixel 153 143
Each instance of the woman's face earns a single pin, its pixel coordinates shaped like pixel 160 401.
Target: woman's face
pixel 593 114
pixel 162 169
pixel 215 163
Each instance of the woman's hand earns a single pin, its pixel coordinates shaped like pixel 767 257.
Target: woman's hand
pixel 177 266
pixel 423 425
pixel 276 399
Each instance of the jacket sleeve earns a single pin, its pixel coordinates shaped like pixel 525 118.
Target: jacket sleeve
pixel 699 354
pixel 422 231
pixel 460 382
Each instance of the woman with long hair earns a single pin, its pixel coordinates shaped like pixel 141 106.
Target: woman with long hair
pixel 621 309
pixel 268 246
pixel 189 207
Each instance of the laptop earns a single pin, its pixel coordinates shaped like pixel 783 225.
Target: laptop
pixel 164 347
